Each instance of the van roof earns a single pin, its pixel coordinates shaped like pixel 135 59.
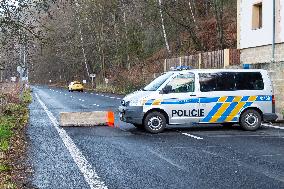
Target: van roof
pixel 219 70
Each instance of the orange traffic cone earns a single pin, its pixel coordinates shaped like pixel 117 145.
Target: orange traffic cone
pixel 110 119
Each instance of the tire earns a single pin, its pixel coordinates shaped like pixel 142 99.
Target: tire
pixel 250 120
pixel 227 125
pixel 139 126
pixel 155 122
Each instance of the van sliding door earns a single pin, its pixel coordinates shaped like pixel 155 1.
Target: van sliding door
pixel 217 96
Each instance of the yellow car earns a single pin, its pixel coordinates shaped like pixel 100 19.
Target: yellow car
pixel 75 86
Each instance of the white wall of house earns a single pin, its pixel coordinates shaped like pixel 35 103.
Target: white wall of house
pixel 259 37
pixel 256 45
pixel 281 22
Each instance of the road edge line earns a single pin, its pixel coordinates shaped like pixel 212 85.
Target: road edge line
pixel 89 173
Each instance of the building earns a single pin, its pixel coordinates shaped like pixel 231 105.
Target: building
pixel 255 30
pixel 255 39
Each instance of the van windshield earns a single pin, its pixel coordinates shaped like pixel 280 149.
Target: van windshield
pixel 154 85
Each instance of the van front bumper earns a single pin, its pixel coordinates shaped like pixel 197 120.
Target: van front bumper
pixel 131 114
pixel 270 117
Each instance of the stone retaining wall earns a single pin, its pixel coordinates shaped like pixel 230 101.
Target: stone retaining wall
pixel 262 54
pixel 276 71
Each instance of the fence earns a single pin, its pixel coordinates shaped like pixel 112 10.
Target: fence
pixel 206 60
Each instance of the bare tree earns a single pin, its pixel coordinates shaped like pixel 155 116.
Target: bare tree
pixel 163 27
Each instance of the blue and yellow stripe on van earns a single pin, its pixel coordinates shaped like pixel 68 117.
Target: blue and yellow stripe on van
pixel 226 109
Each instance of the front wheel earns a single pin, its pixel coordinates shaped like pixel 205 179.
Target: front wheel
pixel 250 120
pixel 155 122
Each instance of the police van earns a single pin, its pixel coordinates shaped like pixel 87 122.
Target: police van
pixel 216 96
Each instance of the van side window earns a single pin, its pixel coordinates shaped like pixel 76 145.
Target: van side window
pixel 230 81
pixel 183 83
pixel 222 81
pixel 249 81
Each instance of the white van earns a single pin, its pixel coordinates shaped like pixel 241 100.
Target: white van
pixel 219 96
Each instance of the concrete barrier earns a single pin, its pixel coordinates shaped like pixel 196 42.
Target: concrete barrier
pixel 88 119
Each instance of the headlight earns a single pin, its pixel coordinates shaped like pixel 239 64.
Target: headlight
pixel 124 103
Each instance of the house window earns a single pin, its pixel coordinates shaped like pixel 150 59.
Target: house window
pixel 257 16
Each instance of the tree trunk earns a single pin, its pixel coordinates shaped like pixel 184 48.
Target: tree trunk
pixel 81 37
pixel 218 9
pixel 163 27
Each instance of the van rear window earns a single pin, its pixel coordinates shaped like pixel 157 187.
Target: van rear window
pixel 230 81
pixel 249 81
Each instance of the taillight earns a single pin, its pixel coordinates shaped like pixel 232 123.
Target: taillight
pixel 273 104
pixel 273 99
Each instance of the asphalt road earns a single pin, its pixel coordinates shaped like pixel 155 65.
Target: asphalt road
pixel 124 157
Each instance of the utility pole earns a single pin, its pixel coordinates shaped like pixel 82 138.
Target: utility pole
pixel 273 35
pixel 25 62
pixel 20 71
pixel 20 68
pixel 1 73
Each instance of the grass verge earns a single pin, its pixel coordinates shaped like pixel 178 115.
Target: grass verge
pixel 13 119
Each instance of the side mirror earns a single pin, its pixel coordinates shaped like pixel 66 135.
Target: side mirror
pixel 167 89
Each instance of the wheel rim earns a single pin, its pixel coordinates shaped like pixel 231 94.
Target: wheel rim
pixel 251 119
pixel 155 123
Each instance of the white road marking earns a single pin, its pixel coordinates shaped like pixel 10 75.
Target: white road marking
pixel 80 99
pixel 106 96
pixel 271 155
pixel 92 93
pixel 57 91
pixel 71 96
pixel 65 94
pixel 60 92
pixel 192 136
pixel 275 127
pixel 96 105
pixel 85 92
pixel 83 100
pixel 84 166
